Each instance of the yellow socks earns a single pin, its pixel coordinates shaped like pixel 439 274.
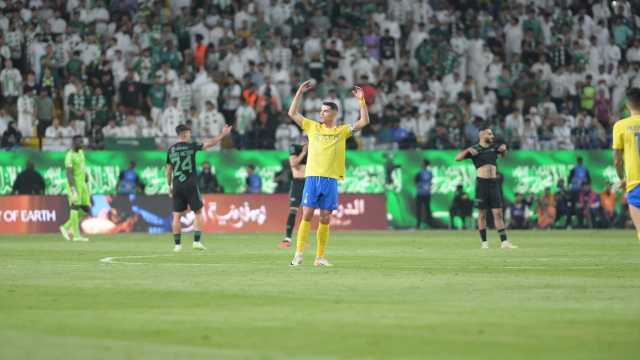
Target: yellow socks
pixel 303 235
pixel 323 239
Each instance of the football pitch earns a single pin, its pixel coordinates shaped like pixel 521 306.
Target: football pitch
pixel 390 295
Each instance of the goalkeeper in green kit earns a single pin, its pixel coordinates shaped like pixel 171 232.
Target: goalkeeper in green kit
pixel 77 190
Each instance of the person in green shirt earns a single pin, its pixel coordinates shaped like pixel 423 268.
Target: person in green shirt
pixel 77 190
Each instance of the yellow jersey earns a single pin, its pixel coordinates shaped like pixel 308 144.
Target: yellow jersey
pixel 626 137
pixel 327 149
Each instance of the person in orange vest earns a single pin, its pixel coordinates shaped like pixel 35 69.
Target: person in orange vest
pixel 200 52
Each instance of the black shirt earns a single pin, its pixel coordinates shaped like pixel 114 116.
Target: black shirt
pixel 295 150
pixel 28 182
pixel 182 156
pixel 486 155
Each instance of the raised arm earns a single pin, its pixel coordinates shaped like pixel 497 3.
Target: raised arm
pixel 226 130
pixel 295 104
pixel 295 160
pixel 364 112
pixel 463 154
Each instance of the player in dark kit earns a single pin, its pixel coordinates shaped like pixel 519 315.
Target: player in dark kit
pixel 183 181
pixel 298 162
pixel 488 196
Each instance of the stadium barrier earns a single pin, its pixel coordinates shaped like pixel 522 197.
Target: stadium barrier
pixel 23 214
pixel 368 172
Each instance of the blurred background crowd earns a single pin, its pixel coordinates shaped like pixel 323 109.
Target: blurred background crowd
pixel 548 74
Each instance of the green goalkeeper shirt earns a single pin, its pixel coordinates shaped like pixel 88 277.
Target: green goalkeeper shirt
pixel 75 161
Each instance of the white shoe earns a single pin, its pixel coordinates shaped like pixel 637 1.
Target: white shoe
pixel 80 239
pixel 485 245
pixel 320 261
pixel 197 245
pixel 297 260
pixel 507 245
pixel 65 233
pixel 177 248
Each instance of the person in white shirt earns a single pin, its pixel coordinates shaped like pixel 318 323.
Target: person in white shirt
pixel 513 39
pixel 515 122
pixel 111 130
pixel 151 130
pixel 612 54
pixel 633 53
pixel 167 75
pixel 312 104
pixel 287 134
pixel 529 138
pixel 208 90
pixel 10 81
pixel 27 112
pixel 245 117
pixel 129 129
pixel 209 123
pixel 172 116
pixel 493 71
pixel 183 91
pixel 452 85
pixel 562 134
pixel 425 123
pixel 56 137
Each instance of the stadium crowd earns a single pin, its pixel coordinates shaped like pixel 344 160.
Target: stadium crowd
pixel 549 74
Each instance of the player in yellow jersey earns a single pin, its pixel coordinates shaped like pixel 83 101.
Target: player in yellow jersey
pixel 77 190
pixel 626 146
pixel 325 166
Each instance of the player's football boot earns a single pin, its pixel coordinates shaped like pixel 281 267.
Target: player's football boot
pixel 285 244
pixel 507 245
pixel 197 245
pixel 80 239
pixel 485 245
pixel 65 233
pixel 320 261
pixel 177 248
pixel 297 260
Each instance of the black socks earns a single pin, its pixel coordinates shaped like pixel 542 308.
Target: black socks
pixel 483 234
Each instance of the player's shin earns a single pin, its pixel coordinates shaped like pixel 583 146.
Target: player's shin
pixel 323 239
pixel 303 235
pixel 291 221
pixel 175 226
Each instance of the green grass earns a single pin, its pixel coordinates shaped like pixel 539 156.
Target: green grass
pixel 391 295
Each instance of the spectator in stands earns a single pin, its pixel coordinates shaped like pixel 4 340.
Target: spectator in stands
pixel 209 123
pixel 5 119
pixel 608 204
pixel 207 180
pixel 44 110
pixel 423 181
pixel 12 137
pixel 546 209
pixel 461 206
pixel 28 182
pixel 588 208
pixel 253 181
pixel 27 112
pixel 578 176
pixel 129 181
pixel 563 203
pixel 57 137
pixel 519 211
pixel 11 80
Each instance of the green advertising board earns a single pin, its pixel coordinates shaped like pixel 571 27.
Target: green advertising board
pixel 524 172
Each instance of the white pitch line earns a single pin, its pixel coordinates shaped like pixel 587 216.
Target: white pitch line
pixel 112 260
pixel 551 267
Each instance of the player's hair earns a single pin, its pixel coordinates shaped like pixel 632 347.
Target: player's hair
pixel 484 126
pixel 332 105
pixel 76 137
pixel 633 98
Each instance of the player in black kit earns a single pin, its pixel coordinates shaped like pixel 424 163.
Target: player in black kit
pixel 183 181
pixel 298 162
pixel 488 196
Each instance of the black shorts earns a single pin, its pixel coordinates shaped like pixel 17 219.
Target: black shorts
pixel 295 193
pixel 488 194
pixel 186 195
